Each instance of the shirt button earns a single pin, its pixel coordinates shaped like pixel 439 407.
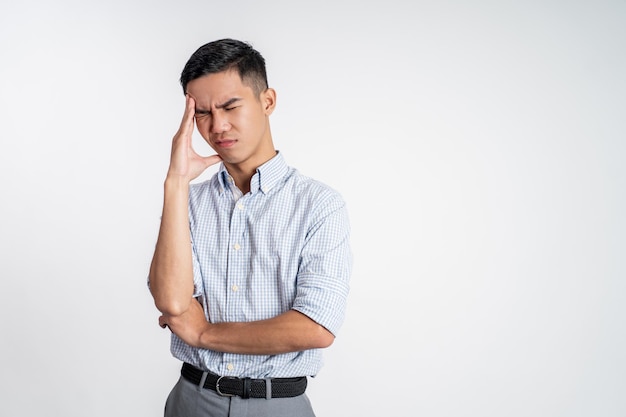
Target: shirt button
pixel 235 288
pixel 230 367
pixel 237 247
pixel 240 206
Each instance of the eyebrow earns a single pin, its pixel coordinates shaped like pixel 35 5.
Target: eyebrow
pixel 220 106
pixel 228 103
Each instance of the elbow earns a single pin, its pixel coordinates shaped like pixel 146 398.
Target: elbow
pixel 312 334
pixel 169 301
pixel 170 307
pixel 323 338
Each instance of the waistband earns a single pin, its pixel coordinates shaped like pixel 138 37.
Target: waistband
pixel 228 386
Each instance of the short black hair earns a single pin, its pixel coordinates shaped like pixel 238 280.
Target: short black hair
pixel 223 55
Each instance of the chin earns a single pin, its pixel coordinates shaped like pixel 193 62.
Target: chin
pixel 230 160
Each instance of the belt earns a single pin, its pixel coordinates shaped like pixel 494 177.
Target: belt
pixel 228 386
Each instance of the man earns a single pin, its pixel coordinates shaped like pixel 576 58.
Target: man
pixel 251 268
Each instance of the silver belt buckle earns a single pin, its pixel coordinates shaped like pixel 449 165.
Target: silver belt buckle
pixel 217 388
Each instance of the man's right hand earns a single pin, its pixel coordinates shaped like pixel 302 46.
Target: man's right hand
pixel 185 163
pixel 171 271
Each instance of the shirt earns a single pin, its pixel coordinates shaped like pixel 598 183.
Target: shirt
pixel 284 245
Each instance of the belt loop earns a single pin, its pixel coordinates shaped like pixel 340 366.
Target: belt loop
pixel 268 388
pixel 202 380
pixel 246 388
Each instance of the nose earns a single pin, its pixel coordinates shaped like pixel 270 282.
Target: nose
pixel 219 122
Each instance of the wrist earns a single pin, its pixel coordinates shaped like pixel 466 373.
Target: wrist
pixel 173 181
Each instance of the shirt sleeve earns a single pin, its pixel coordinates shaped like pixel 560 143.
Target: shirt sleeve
pixel 325 267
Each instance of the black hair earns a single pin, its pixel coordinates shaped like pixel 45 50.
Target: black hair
pixel 223 55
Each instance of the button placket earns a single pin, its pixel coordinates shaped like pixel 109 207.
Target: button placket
pixel 237 264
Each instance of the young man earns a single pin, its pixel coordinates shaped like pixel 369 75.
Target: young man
pixel 251 268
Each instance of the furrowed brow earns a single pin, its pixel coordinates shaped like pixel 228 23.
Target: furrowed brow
pixel 228 103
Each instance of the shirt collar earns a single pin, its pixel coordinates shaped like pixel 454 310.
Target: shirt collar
pixel 266 177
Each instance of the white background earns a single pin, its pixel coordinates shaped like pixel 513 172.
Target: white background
pixel 480 146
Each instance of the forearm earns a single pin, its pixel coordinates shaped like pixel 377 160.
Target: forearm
pixel 171 271
pixel 289 332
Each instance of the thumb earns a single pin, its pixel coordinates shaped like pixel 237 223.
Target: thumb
pixel 211 160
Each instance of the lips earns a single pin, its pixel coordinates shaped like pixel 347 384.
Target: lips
pixel 225 143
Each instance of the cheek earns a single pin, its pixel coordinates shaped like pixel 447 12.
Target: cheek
pixel 248 120
pixel 203 129
pixel 203 122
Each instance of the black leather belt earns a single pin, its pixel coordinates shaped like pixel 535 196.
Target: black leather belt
pixel 228 386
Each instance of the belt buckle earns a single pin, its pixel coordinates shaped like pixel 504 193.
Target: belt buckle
pixel 217 387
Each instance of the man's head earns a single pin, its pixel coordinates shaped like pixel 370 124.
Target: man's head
pixel 226 83
pixel 224 55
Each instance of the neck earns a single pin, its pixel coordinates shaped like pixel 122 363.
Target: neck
pixel 242 173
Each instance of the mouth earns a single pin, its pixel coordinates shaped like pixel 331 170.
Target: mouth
pixel 225 143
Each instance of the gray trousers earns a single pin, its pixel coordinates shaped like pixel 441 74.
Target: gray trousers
pixel 190 400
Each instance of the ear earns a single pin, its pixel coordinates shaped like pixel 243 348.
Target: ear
pixel 268 100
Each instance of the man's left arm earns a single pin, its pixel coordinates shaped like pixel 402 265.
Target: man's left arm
pixel 318 309
pixel 291 331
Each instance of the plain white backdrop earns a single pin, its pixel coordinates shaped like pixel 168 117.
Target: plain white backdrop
pixel 480 146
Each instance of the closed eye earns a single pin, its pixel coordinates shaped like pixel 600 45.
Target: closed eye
pixel 202 114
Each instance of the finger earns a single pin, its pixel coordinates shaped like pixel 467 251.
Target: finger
pixel 187 123
pixel 190 106
pixel 190 111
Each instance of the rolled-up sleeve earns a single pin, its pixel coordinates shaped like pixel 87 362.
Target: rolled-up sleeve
pixel 323 280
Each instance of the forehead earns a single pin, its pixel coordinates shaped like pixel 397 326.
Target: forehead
pixel 215 88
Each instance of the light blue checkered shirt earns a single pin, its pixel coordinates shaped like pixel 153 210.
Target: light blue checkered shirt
pixel 284 245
